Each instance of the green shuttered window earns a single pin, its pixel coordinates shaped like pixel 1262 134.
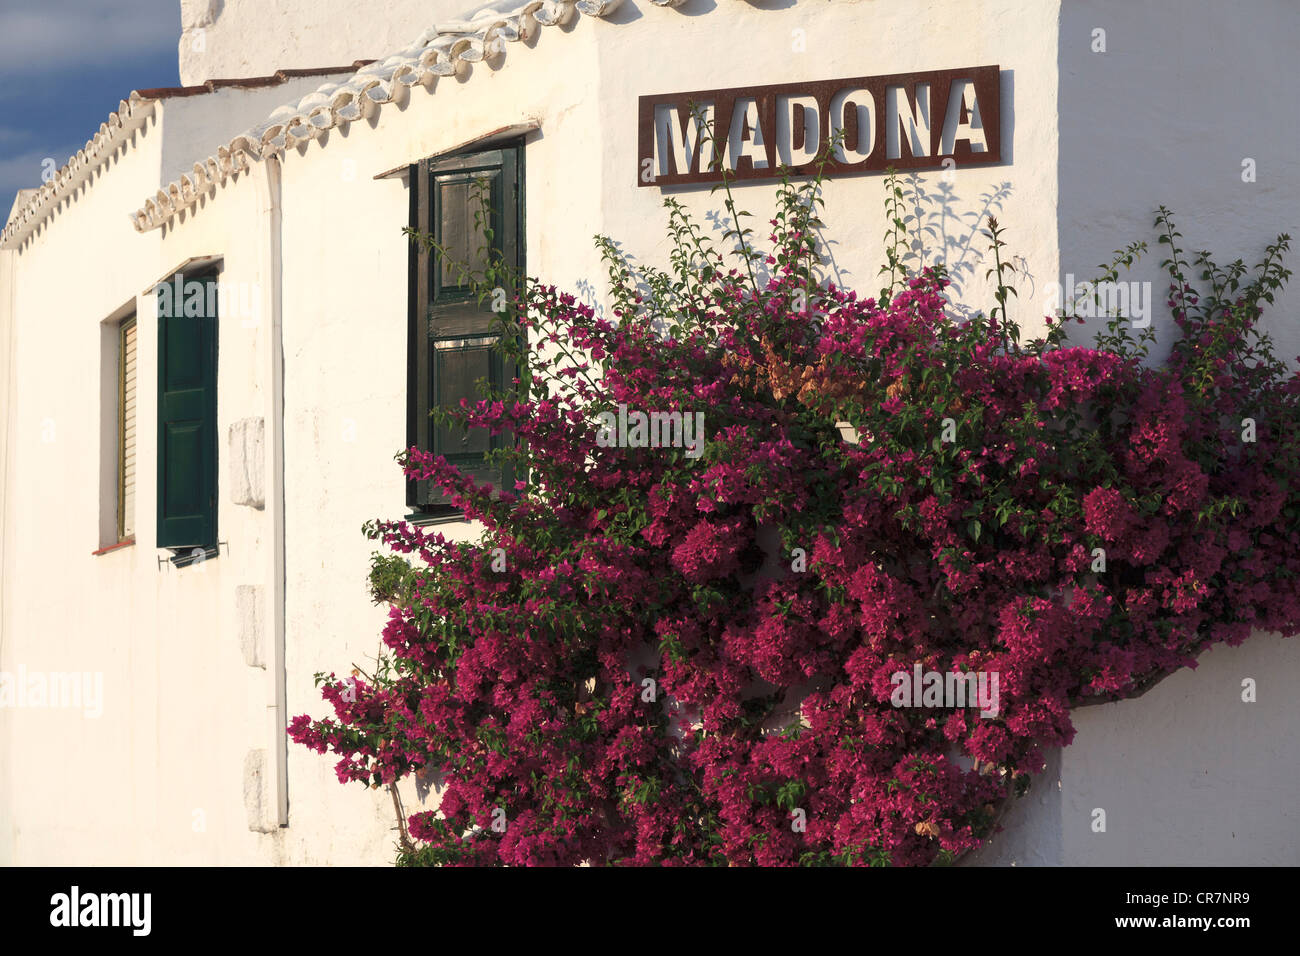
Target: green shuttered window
pixel 187 414
pixel 451 333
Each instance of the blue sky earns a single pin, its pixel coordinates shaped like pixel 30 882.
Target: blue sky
pixel 64 66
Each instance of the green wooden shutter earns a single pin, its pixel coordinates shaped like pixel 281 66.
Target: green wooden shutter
pixel 451 332
pixel 187 418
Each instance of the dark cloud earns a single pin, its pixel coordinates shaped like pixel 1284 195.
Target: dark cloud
pixel 64 66
pixel 40 36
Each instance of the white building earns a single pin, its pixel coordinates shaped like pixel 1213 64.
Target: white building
pixel 278 425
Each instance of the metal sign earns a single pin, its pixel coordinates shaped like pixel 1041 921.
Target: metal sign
pixel 937 119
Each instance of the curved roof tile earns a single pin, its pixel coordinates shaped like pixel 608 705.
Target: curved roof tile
pixel 132 113
pixel 442 50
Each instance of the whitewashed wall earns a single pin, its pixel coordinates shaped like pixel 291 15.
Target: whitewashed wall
pixel 1189 773
pixel 224 39
pixel 761 43
pixel 182 708
pixel 1184 93
pixel 6 415
pixel 217 117
pixel 64 610
pixel 161 774
pixel 345 270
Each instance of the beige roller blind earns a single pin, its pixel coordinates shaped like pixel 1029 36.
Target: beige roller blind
pixel 126 466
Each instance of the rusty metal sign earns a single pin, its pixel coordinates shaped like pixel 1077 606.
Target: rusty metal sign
pixel 932 120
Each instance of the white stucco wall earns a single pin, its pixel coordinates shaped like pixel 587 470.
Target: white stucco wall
pixel 224 39
pixel 213 119
pixel 1183 94
pixel 345 317
pixel 6 361
pixel 345 337
pixel 64 283
pixel 756 44
pixel 1189 773
pixel 183 709
pixel 161 775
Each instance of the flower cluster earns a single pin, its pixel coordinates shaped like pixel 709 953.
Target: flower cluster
pixel 649 658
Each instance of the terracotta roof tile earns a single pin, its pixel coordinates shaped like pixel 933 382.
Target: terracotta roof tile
pixel 247 82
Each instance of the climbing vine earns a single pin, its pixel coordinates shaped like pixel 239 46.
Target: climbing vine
pixel 678 645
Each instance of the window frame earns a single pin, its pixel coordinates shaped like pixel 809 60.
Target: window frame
pixel 424 298
pixel 110 410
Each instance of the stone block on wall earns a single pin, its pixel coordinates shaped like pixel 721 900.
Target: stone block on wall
pixel 255 798
pixel 247 462
pixel 248 612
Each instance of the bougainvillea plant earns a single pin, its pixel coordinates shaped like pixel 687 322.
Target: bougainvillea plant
pixel 682 656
